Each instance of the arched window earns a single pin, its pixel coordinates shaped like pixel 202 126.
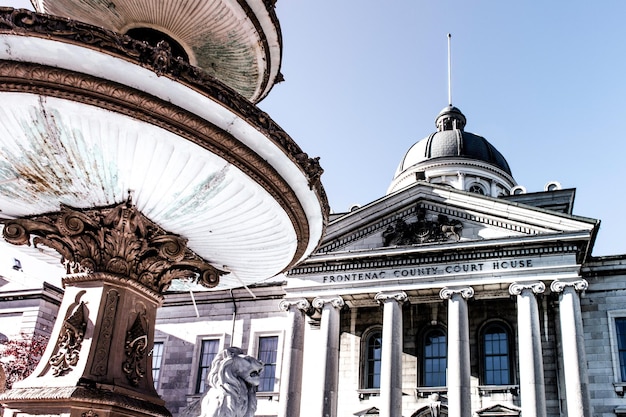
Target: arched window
pixel 434 358
pixel 495 341
pixel 372 348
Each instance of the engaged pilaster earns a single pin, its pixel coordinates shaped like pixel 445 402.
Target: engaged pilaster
pixel 532 385
pixel 459 372
pixel 573 346
pixel 291 380
pixel 391 354
pixel 329 326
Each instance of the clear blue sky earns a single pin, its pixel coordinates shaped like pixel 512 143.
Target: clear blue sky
pixel 542 81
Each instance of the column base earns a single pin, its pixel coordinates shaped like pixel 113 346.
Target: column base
pixel 81 401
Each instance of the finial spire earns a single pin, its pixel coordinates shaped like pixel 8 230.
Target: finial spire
pixel 449 72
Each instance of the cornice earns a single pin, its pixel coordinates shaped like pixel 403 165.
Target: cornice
pixel 468 251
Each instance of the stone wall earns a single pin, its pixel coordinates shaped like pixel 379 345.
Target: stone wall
pixel 603 301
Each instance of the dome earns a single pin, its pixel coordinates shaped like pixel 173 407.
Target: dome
pixel 451 146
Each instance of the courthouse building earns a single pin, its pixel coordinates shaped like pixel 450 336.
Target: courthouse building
pixel 458 293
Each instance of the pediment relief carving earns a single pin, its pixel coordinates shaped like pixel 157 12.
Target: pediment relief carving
pixel 424 222
pixel 423 230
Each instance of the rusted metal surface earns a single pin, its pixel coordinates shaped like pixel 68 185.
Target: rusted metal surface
pixel 229 179
pixel 63 152
pixel 238 42
pixel 27 23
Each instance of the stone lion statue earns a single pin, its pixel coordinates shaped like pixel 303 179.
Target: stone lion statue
pixel 232 380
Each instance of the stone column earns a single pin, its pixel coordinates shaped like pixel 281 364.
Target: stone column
pixel 291 374
pixel 573 347
pixel 459 372
pixel 532 385
pixel 391 354
pixel 329 327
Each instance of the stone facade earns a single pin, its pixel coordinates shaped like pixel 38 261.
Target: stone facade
pixel 231 318
pixel 181 331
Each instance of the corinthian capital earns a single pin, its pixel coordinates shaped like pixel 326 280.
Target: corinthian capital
pixel 117 240
pixel 447 292
pixel 559 286
pixel 536 287
pixel 300 304
pixel 399 296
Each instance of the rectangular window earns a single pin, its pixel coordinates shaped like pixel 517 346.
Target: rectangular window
pixel 157 358
pixel 496 356
pixel 435 359
pixel 620 328
pixel 208 350
pixel 268 349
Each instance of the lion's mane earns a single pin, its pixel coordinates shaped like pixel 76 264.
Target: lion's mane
pixel 229 394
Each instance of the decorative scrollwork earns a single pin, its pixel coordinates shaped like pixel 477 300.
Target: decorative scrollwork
pixel 301 304
pixel 135 349
pixel 578 285
pixel 398 296
pixel 117 240
pixel 336 302
pixel 465 292
pixel 70 342
pixel 72 223
pixel 536 287
pixel 101 357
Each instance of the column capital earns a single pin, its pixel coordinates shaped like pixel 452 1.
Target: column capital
pixel 536 287
pixel 578 285
pixel 399 296
pixel 119 241
pixel 300 303
pixel 335 301
pixel 447 292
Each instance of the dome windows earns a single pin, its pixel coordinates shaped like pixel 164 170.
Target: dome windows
pixel 476 188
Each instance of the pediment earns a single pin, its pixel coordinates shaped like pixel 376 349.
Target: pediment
pixel 427 214
pixel 499 410
pixel 372 411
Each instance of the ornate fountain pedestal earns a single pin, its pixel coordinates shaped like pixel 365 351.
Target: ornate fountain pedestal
pixel 97 362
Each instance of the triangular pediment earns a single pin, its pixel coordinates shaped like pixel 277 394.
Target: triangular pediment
pixel 498 410
pixel 372 411
pixel 427 214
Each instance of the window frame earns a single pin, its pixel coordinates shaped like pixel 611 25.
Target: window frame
pixel 422 355
pixel 364 357
pixel 254 352
pixel 475 187
pixel 618 383
pixel 512 354
pixel 163 343
pixel 195 374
